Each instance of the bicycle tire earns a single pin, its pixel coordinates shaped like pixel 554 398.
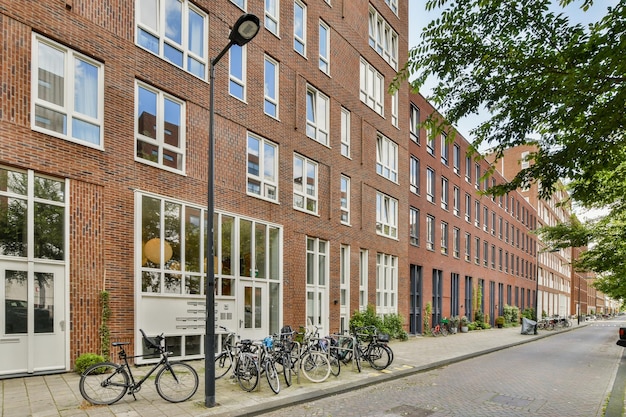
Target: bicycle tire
pixel 104 383
pixel 176 382
pixel 358 358
pixel 247 373
pixel 315 366
pixel 272 376
pixel 346 350
pixel 335 364
pixel 443 331
pixel 284 360
pixel 223 363
pixel 434 331
pixel 378 356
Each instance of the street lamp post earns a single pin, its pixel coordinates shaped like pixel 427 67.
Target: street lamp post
pixel 246 28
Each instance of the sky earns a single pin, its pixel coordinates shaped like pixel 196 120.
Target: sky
pixel 419 18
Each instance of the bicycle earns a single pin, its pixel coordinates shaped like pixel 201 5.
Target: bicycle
pixel 267 363
pixel 224 360
pixel 367 344
pixel 439 330
pixel 246 369
pixel 313 363
pixel 106 383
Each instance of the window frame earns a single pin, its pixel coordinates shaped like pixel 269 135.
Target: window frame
pixel 318 129
pixel 68 108
pixel 272 16
pixel 299 39
pixel 264 183
pixel 324 60
pixel 372 87
pixel 345 132
pixel 345 205
pixel 386 158
pixel 386 215
pixel 268 99
pixel 303 192
pixel 233 79
pixel 160 141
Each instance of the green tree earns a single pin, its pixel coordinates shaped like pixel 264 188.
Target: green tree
pixel 547 82
pixel 543 80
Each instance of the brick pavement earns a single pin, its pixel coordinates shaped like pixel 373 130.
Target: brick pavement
pixel 58 395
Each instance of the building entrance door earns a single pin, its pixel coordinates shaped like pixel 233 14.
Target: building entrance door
pixel 253 310
pixel 32 338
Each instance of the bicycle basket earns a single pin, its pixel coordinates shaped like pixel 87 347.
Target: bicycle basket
pixel 153 343
pixel 268 342
pixel 382 337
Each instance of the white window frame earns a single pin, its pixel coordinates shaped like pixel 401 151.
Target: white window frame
pixel 267 177
pixel 468 247
pixel 234 79
pixel 414 175
pixel 386 216
pixel 344 287
pixel 444 238
pixel 270 96
pixel 468 208
pixel 317 281
pixel 393 5
pixel 159 142
pixel 304 194
pixel 345 132
pixel 324 44
pixel 318 115
pixel 345 199
pixel 445 199
pixel 456 200
pixel 477 213
pixel 468 169
pixel 68 110
pixel 394 109
pixel 299 36
pixel 414 226
pixel 242 4
pixel 430 185
pixel 383 38
pixel 456 158
pixel 159 35
pixel 272 16
pixel 372 87
pixel 363 279
pixel 430 232
pixel 445 149
pixel 414 123
pixel 386 284
pixel 386 158
pixel 456 242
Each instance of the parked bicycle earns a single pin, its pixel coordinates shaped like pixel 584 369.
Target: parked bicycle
pixel 367 344
pixel 224 360
pixel 307 358
pixel 440 330
pixel 107 382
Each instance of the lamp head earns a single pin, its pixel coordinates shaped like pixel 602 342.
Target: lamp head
pixel 245 29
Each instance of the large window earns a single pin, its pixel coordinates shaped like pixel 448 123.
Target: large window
pixel 386 283
pixel 270 87
pixel 444 193
pixel 176 31
pixel 272 16
pixel 372 87
pixel 414 226
pixel 345 199
pixel 393 5
pixel 383 39
pixel 237 72
pixel 67 93
pixel 304 184
pixel 32 215
pixel 430 232
pixel 160 129
pixel 456 200
pixel 386 215
pixel 386 158
pixel 456 242
pixel 430 185
pixel 324 48
pixel 445 149
pixel 317 268
pixel 317 115
pixel 414 124
pixel 456 158
pixel 345 132
pixel 363 279
pixel 444 238
pixel 414 175
pixel 299 27
pixel 262 171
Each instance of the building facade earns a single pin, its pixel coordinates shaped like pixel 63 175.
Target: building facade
pixel 104 112
pixel 468 251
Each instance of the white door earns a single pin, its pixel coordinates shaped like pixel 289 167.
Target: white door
pixel 253 309
pixel 32 333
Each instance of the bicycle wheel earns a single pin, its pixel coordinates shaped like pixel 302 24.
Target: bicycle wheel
pixel 315 366
pixel 104 383
pixel 272 376
pixel 358 357
pixel 247 373
pixel 223 363
pixel 335 364
pixel 345 352
pixel 287 364
pixel 177 382
pixel 378 357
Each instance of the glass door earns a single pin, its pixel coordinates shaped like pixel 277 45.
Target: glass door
pixel 33 337
pixel 253 314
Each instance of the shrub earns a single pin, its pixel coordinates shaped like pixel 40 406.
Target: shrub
pixel 85 360
pixel 391 324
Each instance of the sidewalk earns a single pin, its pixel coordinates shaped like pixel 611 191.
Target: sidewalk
pixel 58 395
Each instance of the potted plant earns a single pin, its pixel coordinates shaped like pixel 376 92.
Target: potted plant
pixel 464 324
pixel 453 324
pixel 500 321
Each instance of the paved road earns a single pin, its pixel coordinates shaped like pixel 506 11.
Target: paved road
pixel 570 374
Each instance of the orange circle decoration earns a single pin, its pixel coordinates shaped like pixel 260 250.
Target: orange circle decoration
pixel 152 250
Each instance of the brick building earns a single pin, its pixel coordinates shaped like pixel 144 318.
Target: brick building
pixel 462 240
pixel 104 110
